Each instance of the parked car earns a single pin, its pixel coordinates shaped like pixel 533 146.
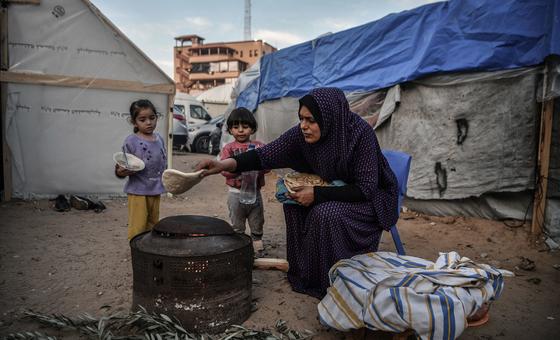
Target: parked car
pixel 180 128
pixel 215 138
pixel 199 136
pixel 194 110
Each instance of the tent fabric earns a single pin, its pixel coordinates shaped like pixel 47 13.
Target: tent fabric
pixel 73 38
pixel 454 36
pixel 467 139
pixel 61 138
pixel 217 95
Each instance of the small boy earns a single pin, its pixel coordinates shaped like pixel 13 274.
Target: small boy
pixel 241 124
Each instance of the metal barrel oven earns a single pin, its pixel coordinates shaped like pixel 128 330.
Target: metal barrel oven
pixel 195 268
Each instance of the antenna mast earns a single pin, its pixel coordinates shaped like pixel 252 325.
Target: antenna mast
pixel 247 28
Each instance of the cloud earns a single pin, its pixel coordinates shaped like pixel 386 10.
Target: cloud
pixel 197 23
pixel 227 27
pixel 335 24
pixel 415 3
pixel 166 65
pixel 278 39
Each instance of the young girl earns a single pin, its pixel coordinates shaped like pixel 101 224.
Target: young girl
pixel 143 187
pixel 241 124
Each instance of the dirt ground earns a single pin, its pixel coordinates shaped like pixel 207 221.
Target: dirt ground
pixel 79 261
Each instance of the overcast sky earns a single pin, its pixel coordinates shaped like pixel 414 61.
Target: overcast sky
pixel 152 25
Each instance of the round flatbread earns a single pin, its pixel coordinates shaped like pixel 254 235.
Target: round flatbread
pixel 298 179
pixel 177 182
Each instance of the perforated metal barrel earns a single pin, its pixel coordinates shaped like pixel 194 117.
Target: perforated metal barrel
pixel 195 268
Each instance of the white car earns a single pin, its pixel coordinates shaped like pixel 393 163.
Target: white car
pixel 194 110
pixel 180 129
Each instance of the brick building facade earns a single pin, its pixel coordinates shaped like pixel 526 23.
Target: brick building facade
pixel 199 67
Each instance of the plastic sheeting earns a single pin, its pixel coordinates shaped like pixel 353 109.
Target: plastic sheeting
pixel 454 36
pixel 469 138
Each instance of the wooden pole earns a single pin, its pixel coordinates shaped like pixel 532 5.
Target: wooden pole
pixel 170 99
pixel 5 64
pixel 543 162
pixel 271 263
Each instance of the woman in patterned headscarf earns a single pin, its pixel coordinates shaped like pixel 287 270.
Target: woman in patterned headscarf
pixel 332 223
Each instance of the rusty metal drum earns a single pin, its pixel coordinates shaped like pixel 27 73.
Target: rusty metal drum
pixel 195 268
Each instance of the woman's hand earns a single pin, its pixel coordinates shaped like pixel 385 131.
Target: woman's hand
pixel 213 166
pixel 123 172
pixel 304 195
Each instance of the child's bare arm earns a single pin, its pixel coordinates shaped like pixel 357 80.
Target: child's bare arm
pixel 225 154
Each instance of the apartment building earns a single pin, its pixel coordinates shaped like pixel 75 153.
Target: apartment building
pixel 199 66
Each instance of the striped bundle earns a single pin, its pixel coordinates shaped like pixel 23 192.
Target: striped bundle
pixel 385 291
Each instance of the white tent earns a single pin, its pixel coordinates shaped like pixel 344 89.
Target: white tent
pixel 71 77
pixel 217 98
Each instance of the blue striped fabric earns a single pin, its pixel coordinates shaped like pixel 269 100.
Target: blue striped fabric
pixel 389 292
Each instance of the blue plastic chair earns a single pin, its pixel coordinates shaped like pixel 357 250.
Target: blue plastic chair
pixel 400 164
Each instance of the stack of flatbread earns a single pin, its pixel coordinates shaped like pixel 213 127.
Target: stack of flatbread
pixel 177 182
pixel 298 179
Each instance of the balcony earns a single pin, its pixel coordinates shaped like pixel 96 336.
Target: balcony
pixel 210 58
pixel 212 76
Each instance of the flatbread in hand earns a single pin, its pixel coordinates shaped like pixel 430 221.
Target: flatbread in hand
pixel 130 162
pixel 177 182
pixel 297 179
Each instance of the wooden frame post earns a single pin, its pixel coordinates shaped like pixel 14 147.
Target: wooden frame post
pixel 5 64
pixel 543 162
pixel 170 99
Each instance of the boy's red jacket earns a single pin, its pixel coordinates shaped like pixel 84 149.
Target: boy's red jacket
pixel 234 148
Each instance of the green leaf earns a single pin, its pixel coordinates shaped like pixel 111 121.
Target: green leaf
pixel 166 318
pixel 182 329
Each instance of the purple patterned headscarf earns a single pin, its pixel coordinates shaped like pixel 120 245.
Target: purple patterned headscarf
pixel 340 131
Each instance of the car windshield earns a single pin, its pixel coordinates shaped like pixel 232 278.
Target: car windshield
pixel 198 112
pixel 179 109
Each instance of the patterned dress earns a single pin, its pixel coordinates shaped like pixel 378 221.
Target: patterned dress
pixel 320 235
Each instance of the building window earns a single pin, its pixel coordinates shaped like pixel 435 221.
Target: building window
pixel 241 54
pixel 251 53
pixel 256 53
pixel 200 68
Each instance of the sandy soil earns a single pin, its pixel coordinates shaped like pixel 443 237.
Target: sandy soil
pixel 79 261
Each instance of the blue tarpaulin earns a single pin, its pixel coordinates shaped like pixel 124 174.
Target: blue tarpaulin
pixel 454 36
